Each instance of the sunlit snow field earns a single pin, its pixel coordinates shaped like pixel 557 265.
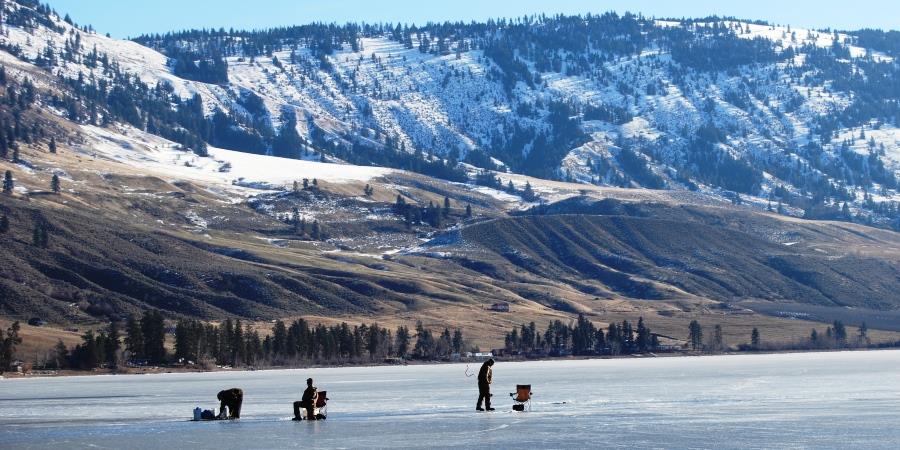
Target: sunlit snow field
pixel 815 400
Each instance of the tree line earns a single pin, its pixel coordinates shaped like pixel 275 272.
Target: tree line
pixel 836 336
pixel 143 340
pixel 582 338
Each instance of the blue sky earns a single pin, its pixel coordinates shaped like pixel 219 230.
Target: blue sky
pixel 123 18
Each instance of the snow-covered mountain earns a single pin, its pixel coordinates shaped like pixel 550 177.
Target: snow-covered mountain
pixel 766 114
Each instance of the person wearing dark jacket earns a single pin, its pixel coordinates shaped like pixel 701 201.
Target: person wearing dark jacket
pixel 231 399
pixel 307 402
pixel 485 377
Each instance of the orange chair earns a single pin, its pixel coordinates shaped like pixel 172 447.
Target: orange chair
pixel 522 397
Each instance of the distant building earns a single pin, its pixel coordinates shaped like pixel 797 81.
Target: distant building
pixel 483 355
pixel 499 307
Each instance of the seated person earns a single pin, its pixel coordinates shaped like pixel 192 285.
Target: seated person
pixel 307 402
pixel 231 399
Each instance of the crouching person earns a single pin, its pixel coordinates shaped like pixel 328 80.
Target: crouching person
pixel 231 399
pixel 307 402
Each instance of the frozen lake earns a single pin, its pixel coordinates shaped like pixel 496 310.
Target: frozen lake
pixel 813 400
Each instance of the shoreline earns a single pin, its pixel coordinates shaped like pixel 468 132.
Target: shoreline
pixel 180 370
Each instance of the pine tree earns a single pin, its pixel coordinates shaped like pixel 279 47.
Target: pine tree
pixel 153 333
pixel 403 339
pixel 134 338
pixel 840 333
pixel 316 231
pixel 458 341
pixel 643 336
pixel 52 145
pixel 528 193
pixel 599 341
pixel 695 335
pixel 436 218
pixel 112 345
pixel 446 211
pixel 718 338
pixel 755 339
pixel 8 346
pixel 8 183
pixel 288 142
pixel 295 219
pixel 468 211
pixel 4 224
pixel 61 355
pixel 39 235
pixel 279 338
pixel 88 354
pixel 863 337
pixel 54 184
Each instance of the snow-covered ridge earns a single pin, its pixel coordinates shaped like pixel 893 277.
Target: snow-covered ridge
pixel 147 64
pixel 138 149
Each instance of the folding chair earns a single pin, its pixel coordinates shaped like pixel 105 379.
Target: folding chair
pixel 522 397
pixel 322 404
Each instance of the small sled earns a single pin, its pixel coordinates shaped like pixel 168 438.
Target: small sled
pixel 207 416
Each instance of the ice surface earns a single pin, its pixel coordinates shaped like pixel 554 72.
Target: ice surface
pixel 814 400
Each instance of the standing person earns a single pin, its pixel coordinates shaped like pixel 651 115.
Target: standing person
pixel 307 402
pixel 485 377
pixel 231 399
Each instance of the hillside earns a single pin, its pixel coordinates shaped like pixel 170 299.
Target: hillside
pixel 656 258
pixel 713 169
